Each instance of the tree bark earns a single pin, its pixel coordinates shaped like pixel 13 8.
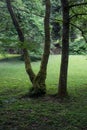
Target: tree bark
pixel 62 88
pixel 39 86
pixel 22 40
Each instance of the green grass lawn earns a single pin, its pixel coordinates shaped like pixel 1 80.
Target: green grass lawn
pixel 46 113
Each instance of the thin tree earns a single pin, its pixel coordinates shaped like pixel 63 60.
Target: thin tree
pixel 38 81
pixel 62 88
pixel 39 86
pixel 22 41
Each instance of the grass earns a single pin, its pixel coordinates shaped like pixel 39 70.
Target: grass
pixel 43 113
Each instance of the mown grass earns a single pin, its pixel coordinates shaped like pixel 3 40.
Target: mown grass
pixel 47 113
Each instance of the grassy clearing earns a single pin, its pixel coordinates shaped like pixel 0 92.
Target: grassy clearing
pixel 43 113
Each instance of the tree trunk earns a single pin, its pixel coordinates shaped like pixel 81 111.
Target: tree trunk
pixel 39 86
pixel 62 88
pixel 22 40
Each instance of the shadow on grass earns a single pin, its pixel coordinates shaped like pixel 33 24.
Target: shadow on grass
pixel 20 58
pixel 47 112
pixel 11 59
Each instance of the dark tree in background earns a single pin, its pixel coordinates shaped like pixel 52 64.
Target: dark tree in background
pixel 56 30
pixel 56 27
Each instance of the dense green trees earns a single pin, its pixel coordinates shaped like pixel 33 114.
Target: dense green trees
pixel 27 13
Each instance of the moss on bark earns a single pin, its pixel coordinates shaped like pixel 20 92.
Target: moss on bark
pixel 39 87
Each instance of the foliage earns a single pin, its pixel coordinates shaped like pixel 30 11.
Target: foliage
pixel 78 17
pixel 28 16
pixel 78 47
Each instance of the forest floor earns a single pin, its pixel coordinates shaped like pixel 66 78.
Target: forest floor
pixel 45 113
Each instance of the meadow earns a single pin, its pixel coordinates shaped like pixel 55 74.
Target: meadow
pixel 49 113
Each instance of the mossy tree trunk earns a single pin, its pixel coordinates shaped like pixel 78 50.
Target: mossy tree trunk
pixel 39 86
pixel 62 88
pixel 22 40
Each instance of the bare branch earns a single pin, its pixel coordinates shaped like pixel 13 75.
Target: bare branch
pixel 1 31
pixel 76 15
pixel 82 32
pixel 76 5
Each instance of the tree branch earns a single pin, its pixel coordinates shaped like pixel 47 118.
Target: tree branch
pixel 39 15
pixel 82 32
pixel 76 15
pixel 76 5
pixel 1 31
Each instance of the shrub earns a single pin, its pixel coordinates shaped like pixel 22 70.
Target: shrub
pixel 78 47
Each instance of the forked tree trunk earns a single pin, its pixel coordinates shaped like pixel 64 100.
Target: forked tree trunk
pixel 39 86
pixel 38 81
pixel 62 88
pixel 22 40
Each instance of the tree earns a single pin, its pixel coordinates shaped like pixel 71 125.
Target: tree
pixel 22 40
pixel 62 88
pixel 67 21
pixel 38 81
pixel 39 86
